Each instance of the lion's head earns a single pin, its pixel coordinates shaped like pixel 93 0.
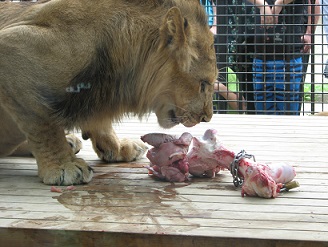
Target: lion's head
pixel 186 71
pixel 124 57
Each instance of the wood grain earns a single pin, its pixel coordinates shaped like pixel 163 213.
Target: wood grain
pixel 123 206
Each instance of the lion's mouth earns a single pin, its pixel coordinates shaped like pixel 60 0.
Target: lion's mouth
pixel 186 121
pixel 173 117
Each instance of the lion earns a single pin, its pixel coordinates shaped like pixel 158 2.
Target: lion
pixel 82 64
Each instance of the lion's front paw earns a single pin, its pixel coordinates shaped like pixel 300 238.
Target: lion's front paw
pixel 129 150
pixel 76 171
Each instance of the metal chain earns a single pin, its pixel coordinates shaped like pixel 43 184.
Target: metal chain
pixel 234 166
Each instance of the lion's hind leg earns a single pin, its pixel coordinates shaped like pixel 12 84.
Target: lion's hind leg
pixel 24 149
pixel 11 136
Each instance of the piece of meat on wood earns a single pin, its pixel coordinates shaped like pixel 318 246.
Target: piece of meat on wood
pixel 207 156
pixel 258 183
pixel 264 179
pixel 281 172
pixel 167 157
pixel 56 189
pixel 173 158
pixel 156 139
pixel 70 187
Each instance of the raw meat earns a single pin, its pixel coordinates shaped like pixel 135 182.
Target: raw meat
pixel 55 189
pixel 258 179
pixel 156 139
pixel 59 190
pixel 206 156
pixel 173 159
pixel 167 157
pixel 258 183
pixel 70 187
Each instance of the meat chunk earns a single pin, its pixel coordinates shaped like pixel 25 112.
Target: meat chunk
pixel 167 157
pixel 173 159
pixel 280 172
pixel 257 182
pixel 207 156
pixel 56 189
pixel 264 180
pixel 156 139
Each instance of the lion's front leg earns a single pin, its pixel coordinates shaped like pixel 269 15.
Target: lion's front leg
pixel 56 160
pixel 110 149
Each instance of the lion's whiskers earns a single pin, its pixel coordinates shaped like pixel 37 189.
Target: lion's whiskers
pixel 179 107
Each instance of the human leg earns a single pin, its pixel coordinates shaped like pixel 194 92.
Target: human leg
pixel 296 71
pixel 263 89
pixel 287 85
pixel 324 6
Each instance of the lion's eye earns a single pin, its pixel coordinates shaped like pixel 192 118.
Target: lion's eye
pixel 203 84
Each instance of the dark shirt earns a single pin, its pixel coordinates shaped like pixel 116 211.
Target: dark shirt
pixel 283 40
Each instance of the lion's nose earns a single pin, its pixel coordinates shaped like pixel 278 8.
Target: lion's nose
pixel 207 113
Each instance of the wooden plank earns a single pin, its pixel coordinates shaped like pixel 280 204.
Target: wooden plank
pixel 160 228
pixel 215 208
pixel 179 221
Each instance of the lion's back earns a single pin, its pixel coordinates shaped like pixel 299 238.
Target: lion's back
pixel 12 12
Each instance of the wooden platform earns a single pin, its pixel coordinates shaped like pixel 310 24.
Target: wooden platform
pixel 125 207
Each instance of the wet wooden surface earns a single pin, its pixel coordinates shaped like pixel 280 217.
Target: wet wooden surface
pixel 123 206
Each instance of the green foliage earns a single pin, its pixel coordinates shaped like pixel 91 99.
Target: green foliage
pixel 318 88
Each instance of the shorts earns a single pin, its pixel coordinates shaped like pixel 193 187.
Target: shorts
pixel 277 86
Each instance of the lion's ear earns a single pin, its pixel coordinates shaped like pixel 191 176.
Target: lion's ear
pixel 174 30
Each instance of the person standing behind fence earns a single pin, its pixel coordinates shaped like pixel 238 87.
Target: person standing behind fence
pixel 277 63
pixel 233 100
